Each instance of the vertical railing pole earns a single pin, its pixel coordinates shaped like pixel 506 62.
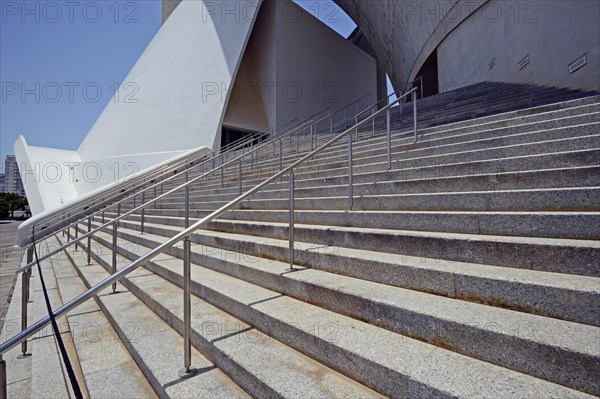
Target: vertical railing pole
pixel 3 393
pixel 76 235
pixel 389 139
pixel 280 155
pixel 240 177
pixel 350 177
pixel 415 114
pixel 291 225
pixel 187 201
pixel 187 370
pixel 103 218
pixel 222 177
pixel 118 211
pixel 143 213
pixel 155 202
pixel 331 124
pixel 114 255
pixel 312 145
pixel 25 280
pixel 89 242
pixel 134 203
pixel 346 119
pixel 356 123
pixel 373 120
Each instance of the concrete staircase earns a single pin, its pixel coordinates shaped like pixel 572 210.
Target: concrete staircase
pixel 470 269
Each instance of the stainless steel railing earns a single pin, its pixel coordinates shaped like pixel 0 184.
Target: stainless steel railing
pixel 189 230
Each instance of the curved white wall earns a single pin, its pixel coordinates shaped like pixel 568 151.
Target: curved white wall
pixel 171 117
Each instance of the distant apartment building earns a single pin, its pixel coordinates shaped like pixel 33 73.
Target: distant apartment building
pixel 1 182
pixel 12 178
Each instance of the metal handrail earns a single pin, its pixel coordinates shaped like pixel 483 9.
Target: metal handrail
pixel 147 203
pixel 185 234
pixel 121 192
pixel 375 105
pixel 127 187
pixel 133 184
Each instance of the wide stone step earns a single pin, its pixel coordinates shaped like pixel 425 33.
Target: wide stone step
pixel 537 179
pixel 107 367
pixel 240 297
pixel 554 140
pixel 573 225
pixel 539 200
pixel 379 141
pixel 562 296
pixel 523 156
pixel 578 257
pixel 566 169
pixel 254 360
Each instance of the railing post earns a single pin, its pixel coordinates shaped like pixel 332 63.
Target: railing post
pixel 155 202
pixel 103 218
pixel 76 235
pixel 312 146
pixel 240 177
pixel 280 154
pixel 143 212
pixel 89 242
pixel 356 123
pixel 346 118
pixel 415 114
pixel 3 393
pixel 187 201
pixel 373 120
pixel 187 370
pixel 118 211
pixel 350 177
pixel 331 124
pixel 389 139
pixel 134 203
pixel 25 280
pixel 291 225
pixel 114 255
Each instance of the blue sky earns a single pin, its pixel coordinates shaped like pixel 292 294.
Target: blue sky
pixel 60 62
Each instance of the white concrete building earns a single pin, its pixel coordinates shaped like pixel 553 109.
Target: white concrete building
pixel 209 69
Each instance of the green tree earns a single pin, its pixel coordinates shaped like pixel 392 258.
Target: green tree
pixel 4 208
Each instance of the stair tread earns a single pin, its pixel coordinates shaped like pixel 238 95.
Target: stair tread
pixel 290 373
pixel 397 352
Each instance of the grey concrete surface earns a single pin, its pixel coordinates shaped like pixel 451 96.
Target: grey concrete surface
pixel 10 257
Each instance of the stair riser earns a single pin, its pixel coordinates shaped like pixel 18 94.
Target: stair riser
pixel 378 145
pixel 511 351
pixel 373 375
pixel 562 178
pixel 527 154
pixel 576 200
pixel 559 259
pixel 501 136
pixel 466 172
pixel 584 138
pixel 579 226
pixel 577 306
pixel 249 382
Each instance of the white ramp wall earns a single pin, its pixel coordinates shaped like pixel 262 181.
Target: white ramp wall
pixel 197 46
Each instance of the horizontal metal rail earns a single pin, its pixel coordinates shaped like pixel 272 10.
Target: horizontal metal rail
pixel 37 326
pixel 149 202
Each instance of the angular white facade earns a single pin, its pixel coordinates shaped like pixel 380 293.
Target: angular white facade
pixel 186 77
